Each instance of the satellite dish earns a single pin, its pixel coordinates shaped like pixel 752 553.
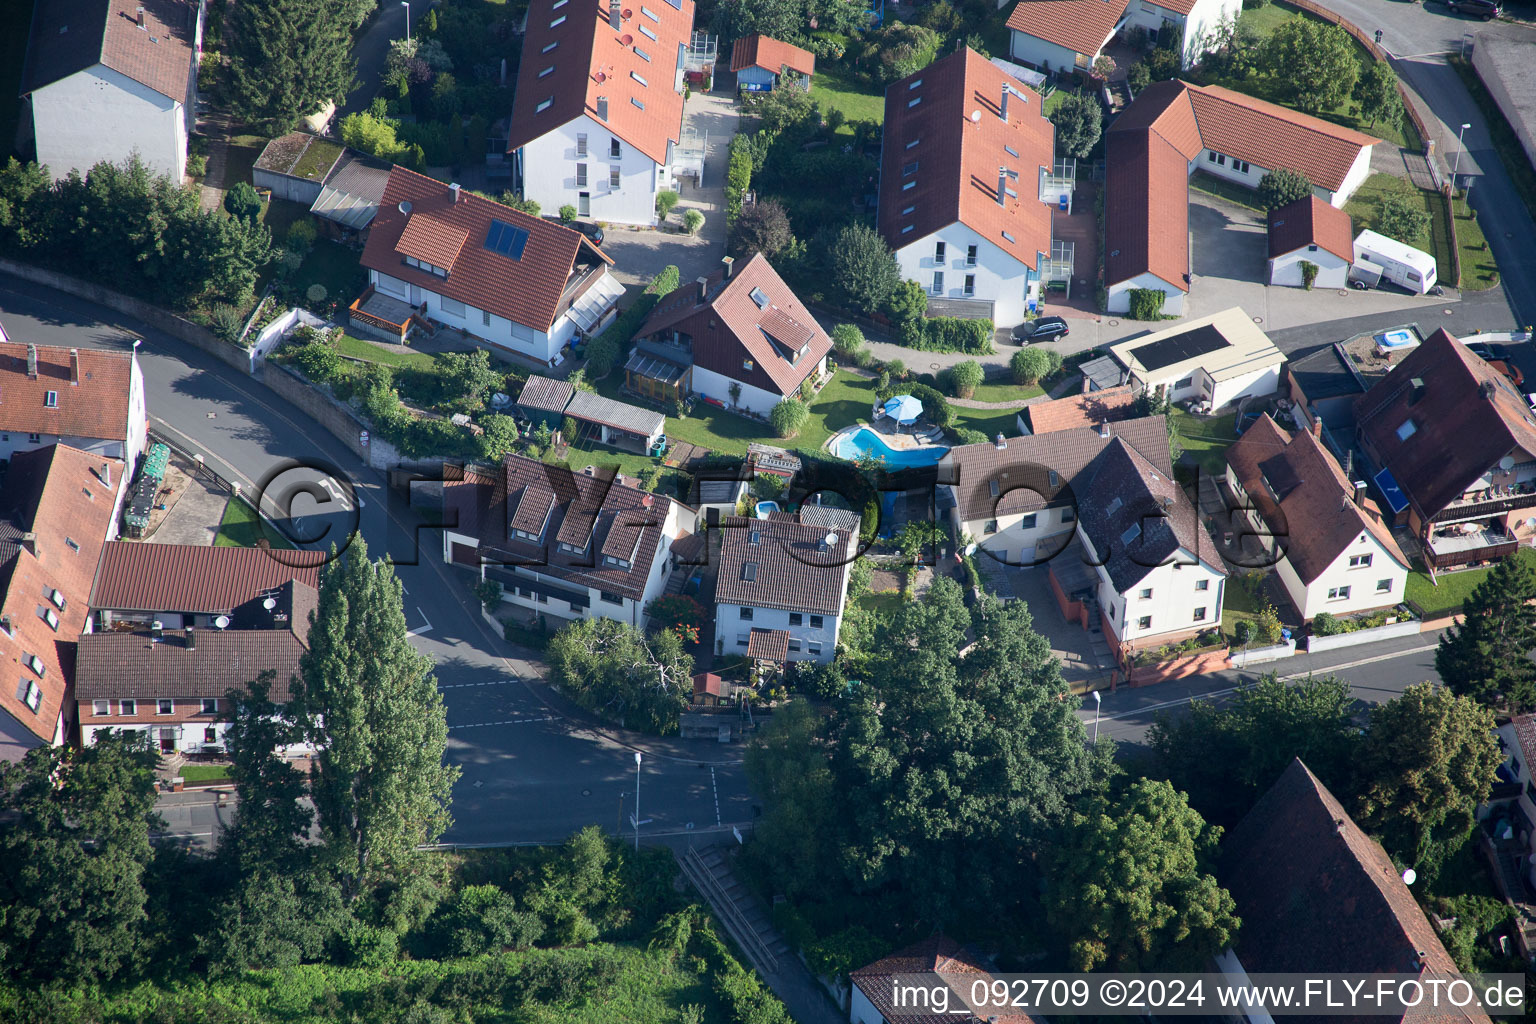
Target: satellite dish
pixel 831 537
pixel 270 603
pixel 599 77
pixel 1410 876
pixel 405 206
pixel 627 14
pixel 975 117
pixel 1507 463
pixel 222 622
pixel 627 39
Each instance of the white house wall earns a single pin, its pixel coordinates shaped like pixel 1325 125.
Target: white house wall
pixel 1120 293
pixel 1362 581
pixel 1000 277
pixel 500 332
pixel 730 627
pixel 1013 543
pixel 718 386
pixel 549 173
pixel 1265 381
pixel 1358 172
pixel 1030 49
pixel 1204 27
pixel 99 114
pixel 1332 272
pixel 1173 604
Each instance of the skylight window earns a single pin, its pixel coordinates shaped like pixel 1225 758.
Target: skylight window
pixel 1131 533
pixel 544 105
pixel 760 297
pixel 909 185
pixel 1407 430
pixel 755 538
pixel 910 168
pixel 558 21
pixel 51 400
pixel 637 102
pixel 1010 151
pixel 636 76
pixel 559 4
pixel 914 142
pixel 906 229
pixel 35 663
pixel 57 597
pixel 550 46
pixel 1008 237
pixel 52 618
pixel 907 210
pixel 547 71
pixel 642 54
pixel 993 488
pixel 914 84
pixel 749 571
pixel 505 240
pixel 1114 506
pixel 914 101
pixel 650 14
pixel 29 693
pixel 649 33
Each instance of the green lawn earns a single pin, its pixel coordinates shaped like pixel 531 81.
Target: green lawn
pixel 357 348
pixel 883 603
pixel 1454 588
pixel 1505 141
pixel 1230 191
pixel 989 421
pixel 241 528
pixel 1006 391
pixel 336 267
pixel 1207 439
pixel 15 24
pixel 1479 270
pixel 204 772
pixel 857 101
pixel 1365 205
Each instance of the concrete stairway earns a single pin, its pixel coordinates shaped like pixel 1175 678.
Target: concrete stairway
pixel 744 918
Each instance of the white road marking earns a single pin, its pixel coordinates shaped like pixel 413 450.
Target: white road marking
pixel 510 721
pixel 716 787
pixel 488 682
pixel 422 629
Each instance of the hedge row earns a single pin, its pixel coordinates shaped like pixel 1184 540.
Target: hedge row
pixel 603 351
pixel 948 334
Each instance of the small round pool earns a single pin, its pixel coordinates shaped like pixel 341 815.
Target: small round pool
pixel 865 442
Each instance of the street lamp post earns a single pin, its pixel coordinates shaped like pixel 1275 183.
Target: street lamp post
pixel 407 5
pixel 1457 165
pixel 637 801
pixel 1098 710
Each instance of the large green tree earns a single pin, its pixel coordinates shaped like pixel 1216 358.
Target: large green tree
pixel 1281 187
pixel 290 58
pixel 72 858
pixel 862 267
pixel 1428 760
pixel 1079 122
pixel 619 672
pixel 1225 759
pixel 1130 884
pixel 379 783
pixel 1487 657
pixel 1310 63
pixel 1378 95
pixel 946 774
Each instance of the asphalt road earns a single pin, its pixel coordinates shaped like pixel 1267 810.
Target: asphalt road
pixel 533 772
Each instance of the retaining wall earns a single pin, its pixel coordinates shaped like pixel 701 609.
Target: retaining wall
pixel 1315 644
pixel 1262 655
pixel 334 416
pixel 1193 664
pixel 161 320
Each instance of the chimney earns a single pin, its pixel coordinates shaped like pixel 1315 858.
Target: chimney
pixel 1317 427
pixel 157 630
pixel 1006 91
pixel 32 362
pixel 5 624
pixel 703 291
pixel 1002 186
pixel 141 17
pixel 104 474
pixel 602 108
pixel 454 188
pixel 1001 442
pixel 727 262
pixel 1360 493
pixel 1104 429
pixel 74 367
pixel 191 639
pixel 1416 390
pixel 29 541
pixel 615 16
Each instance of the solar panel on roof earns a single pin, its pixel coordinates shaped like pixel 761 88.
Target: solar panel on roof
pixel 1199 341
pixel 506 240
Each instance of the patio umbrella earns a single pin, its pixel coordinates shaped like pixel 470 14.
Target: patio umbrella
pixel 904 409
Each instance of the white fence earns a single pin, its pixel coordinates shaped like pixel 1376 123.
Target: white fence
pixel 273 334
pixel 1409 627
pixel 1241 658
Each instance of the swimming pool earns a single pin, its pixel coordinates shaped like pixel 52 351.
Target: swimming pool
pixel 864 442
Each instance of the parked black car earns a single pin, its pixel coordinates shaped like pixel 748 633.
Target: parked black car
pixel 594 232
pixel 1485 9
pixel 1047 328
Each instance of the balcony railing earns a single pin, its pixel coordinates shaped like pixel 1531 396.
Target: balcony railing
pixel 1478 507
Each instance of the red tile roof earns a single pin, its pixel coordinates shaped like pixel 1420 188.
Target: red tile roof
pixel 69 36
pixel 591 61
pixel 1316 516
pixel 760 51
pixel 794 569
pixel 529 290
pixel 768 644
pixel 1271 136
pixel 194 579
pixel 1316 893
pixel 957 158
pixel 54 494
pixel 134 665
pixel 1311 221
pixel 1164 107
pixel 939 955
pixel 1090 410
pixel 731 329
pixel 430 240
pixel 1146 209
pixel 1082 26
pixel 97 407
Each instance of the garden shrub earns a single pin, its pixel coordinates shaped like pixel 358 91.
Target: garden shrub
pixel 226 322
pixel 1327 624
pixel 301 235
pixel 242 201
pixel 847 339
pixel 1308 274
pixel 1147 303
pixel 567 213
pixel 966 377
pixel 665 200
pixel 693 220
pixel 788 417
pixel 967 435
pixel 935 407
pixel 1029 365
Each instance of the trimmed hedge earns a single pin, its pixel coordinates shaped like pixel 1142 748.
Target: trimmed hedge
pixel 949 334
pixel 1147 303
pixel 604 350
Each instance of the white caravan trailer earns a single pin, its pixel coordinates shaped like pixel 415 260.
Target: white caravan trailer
pixel 1391 260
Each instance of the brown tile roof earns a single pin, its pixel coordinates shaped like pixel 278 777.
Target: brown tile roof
pixel 55 494
pixel 1467 419
pixel 760 51
pixel 1111 404
pixel 1146 209
pixel 938 954
pixel 115 665
pixel 958 159
pixel 1311 221
pixel 731 328
pixel 795 570
pixel 1023 467
pixel 596 513
pixel 69 36
pixel 529 290
pixel 768 644
pixel 429 239
pixel 1272 136
pixel 192 578
pixel 545 393
pixel 1316 515
pixel 1316 893
pixel 592 61
pixel 1525 734
pixel 1081 26
pixel 97 407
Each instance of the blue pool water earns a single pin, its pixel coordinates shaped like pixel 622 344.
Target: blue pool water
pixel 1397 339
pixel 866 442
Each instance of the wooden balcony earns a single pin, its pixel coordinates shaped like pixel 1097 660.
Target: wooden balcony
pixel 387 315
pixel 1491 505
